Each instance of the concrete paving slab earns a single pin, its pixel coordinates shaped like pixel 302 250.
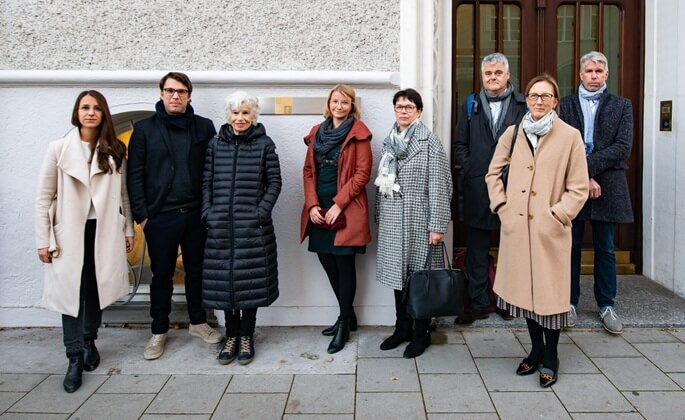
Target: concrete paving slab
pixel 49 396
pixel 312 394
pixel 598 343
pixel 371 339
pixel 493 343
pixel 678 378
pixel 189 394
pixel 468 416
pixel 528 405
pixel 133 384
pixel 382 405
pixel 318 417
pixel 19 382
pixel 462 393
pixel 113 407
pixel 573 360
pixel 499 374
pixel 446 358
pixel 387 375
pixel 669 357
pixel 260 384
pixel 648 335
pixel 658 405
pixel 31 416
pixel 634 374
pixel 250 406
pixel 7 399
pixel 679 333
pixel 589 393
pixel 175 417
pixel 607 416
pixel 453 336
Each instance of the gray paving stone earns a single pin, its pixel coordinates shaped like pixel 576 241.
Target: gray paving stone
pixel 589 393
pixel 113 406
pixel 679 334
pixel 260 383
pixel 133 384
pixel 318 417
pixel 189 394
pixel 634 374
pixel 321 394
pixel 679 378
pixel 573 360
pixel 669 357
pixel 469 416
pixel 499 374
pixel 175 417
pixel 658 405
pixel 607 416
pixel 49 396
pixel 9 398
pixel 387 375
pixel 370 341
pixel 250 406
pixel 31 416
pixel 528 405
pixel 602 344
pixel 459 393
pixel 446 358
pixel 493 343
pixel 648 335
pixel 453 336
pixel 381 405
pixel 16 382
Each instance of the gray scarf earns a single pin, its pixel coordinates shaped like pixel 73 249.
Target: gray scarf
pixel 539 128
pixel 505 98
pixel 586 98
pixel 395 147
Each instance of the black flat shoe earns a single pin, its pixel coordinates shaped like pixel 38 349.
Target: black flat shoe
pixel 91 356
pixel 469 316
pixel 526 367
pixel 548 377
pixel 504 314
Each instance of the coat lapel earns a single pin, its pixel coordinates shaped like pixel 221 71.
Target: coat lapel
pixel 71 161
pixel 161 128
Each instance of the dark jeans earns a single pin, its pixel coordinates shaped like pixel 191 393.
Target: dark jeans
pixel 85 326
pixel 343 278
pixel 240 323
pixel 605 261
pixel 164 232
pixel 477 268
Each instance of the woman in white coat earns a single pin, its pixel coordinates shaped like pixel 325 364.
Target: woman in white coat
pixel 83 229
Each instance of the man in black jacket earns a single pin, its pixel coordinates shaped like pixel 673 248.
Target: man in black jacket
pixel 483 119
pixel 165 161
pixel 606 123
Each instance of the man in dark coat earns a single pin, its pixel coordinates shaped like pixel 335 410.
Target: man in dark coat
pixel 606 123
pixel 165 161
pixel 483 119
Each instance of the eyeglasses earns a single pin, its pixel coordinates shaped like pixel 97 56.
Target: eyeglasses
pixel 170 92
pixel 546 97
pixel 405 108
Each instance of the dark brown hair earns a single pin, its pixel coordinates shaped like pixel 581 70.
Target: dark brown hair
pixel 108 144
pixel 411 95
pixel 179 77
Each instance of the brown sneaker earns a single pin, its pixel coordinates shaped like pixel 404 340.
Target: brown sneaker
pixel 155 346
pixel 206 333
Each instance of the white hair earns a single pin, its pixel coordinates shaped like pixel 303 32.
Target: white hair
pixel 595 57
pixel 495 58
pixel 235 100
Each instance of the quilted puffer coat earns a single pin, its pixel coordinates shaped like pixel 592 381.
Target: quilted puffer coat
pixel 241 183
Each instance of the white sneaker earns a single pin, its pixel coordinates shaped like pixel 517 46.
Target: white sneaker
pixel 206 333
pixel 155 346
pixel 610 320
pixel 572 317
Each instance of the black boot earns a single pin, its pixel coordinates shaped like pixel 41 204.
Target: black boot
pixel 333 328
pixel 246 353
pixel 91 356
pixel 72 380
pixel 341 336
pixel 403 332
pixel 421 340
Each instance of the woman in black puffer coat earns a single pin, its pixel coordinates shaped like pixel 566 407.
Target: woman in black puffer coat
pixel 241 182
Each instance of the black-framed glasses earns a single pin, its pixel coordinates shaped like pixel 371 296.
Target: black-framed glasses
pixel 170 92
pixel 405 108
pixel 546 97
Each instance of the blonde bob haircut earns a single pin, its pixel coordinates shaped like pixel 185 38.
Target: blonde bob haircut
pixel 346 90
pixel 235 100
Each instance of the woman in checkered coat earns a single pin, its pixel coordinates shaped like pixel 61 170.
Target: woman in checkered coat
pixel 412 211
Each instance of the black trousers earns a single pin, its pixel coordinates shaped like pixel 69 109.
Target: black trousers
pixel 342 275
pixel 240 323
pixel 477 262
pixel 164 232
pixel 85 326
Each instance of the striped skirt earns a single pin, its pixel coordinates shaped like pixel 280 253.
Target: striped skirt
pixel 552 322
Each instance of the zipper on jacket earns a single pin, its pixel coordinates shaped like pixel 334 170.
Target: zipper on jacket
pixel 232 228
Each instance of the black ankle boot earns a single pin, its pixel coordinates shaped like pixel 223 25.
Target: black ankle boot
pixel 91 356
pixel 246 353
pixel 333 328
pixel 420 342
pixel 403 332
pixel 341 336
pixel 72 380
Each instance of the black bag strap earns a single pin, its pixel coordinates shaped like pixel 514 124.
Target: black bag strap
pixel 513 141
pixel 429 258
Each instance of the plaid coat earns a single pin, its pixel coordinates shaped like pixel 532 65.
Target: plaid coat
pixel 421 206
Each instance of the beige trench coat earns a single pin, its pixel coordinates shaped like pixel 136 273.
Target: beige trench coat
pixel 64 176
pixel 544 194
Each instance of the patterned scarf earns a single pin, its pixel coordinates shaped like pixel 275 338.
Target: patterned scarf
pixel 395 146
pixel 587 104
pixel 328 138
pixel 485 99
pixel 535 129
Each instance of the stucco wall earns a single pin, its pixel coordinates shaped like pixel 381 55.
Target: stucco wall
pixel 350 35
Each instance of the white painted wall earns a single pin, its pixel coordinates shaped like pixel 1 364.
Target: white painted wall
pixel 664 152
pixel 36 108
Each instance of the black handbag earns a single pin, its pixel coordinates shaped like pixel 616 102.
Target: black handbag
pixel 435 291
pixel 505 170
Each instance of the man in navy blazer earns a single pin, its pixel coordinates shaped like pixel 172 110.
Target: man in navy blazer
pixel 606 123
pixel 165 160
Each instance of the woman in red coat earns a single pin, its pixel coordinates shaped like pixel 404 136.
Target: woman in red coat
pixel 335 212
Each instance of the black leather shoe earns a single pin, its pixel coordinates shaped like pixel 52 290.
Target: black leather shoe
pixel 72 380
pixel 527 367
pixel 246 349
pixel 229 352
pixel 91 356
pixel 470 315
pixel 340 338
pixel 330 331
pixel 417 346
pixel 548 377
pixel 403 332
pixel 504 314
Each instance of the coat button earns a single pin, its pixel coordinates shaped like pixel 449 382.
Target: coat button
pixel 530 167
pixel 530 216
pixel 533 193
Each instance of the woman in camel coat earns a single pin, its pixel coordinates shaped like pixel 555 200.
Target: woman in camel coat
pixel 83 229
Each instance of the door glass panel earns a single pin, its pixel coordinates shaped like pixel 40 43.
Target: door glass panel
pixel 612 46
pixel 565 37
pixel 589 29
pixel 464 60
pixel 511 39
pixel 488 30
